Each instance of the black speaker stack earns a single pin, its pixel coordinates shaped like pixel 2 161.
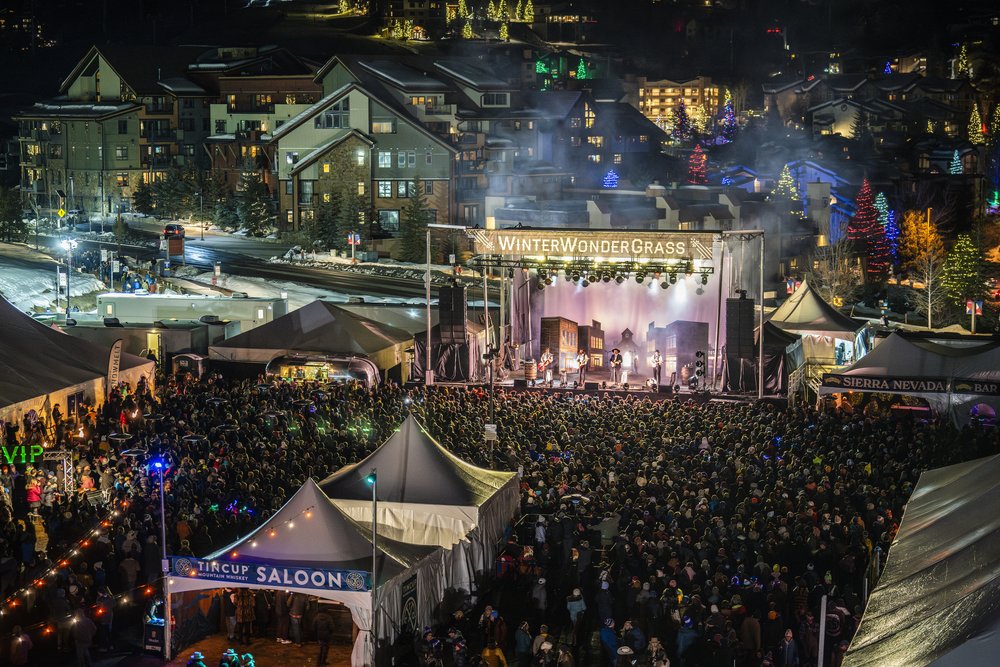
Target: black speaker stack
pixel 453 313
pixel 739 328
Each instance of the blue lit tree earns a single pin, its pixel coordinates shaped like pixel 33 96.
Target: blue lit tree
pixel 955 168
pixel 610 180
pixel 887 218
pixel 728 119
pixel 682 123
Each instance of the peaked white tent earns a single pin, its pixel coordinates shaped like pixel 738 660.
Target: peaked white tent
pixel 823 328
pixel 938 601
pixel 429 496
pixel 310 546
pixel 951 379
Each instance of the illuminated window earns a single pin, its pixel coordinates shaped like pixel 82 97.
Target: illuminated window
pixel 359 156
pixel 385 189
pixel 335 117
pixel 121 152
pixel 384 126
pixel 617 158
pixel 588 116
pixel 384 159
pixel 594 157
pixel 327 197
pixel 121 180
pixel 326 167
pixel 361 187
pixel 595 141
pixel 643 138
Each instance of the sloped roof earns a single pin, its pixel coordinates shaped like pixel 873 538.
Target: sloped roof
pixel 806 311
pixel 309 531
pixel 320 327
pixel 316 153
pixel 936 602
pixel 37 359
pixel 142 68
pixel 415 468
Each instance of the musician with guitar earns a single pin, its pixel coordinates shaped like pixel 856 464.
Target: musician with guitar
pixel 545 367
pixel 615 362
pixel 581 367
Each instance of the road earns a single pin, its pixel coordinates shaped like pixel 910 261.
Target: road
pixel 249 258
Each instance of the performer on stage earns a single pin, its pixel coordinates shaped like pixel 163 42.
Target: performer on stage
pixel 581 366
pixel 656 361
pixel 615 362
pixel 545 366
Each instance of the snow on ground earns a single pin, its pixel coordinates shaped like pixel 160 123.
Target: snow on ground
pixel 31 287
pixel 298 295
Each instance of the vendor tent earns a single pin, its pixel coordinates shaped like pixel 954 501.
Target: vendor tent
pixel 43 367
pixel 952 380
pixel 319 328
pixel 823 328
pixel 938 601
pixel 312 547
pixel 429 496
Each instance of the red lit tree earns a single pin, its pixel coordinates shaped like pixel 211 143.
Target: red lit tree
pixel 698 167
pixel 868 236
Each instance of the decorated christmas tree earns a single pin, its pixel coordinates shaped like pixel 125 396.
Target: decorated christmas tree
pixel 955 168
pixel 528 15
pixel 682 123
pixel 467 30
pixel 491 12
pixel 962 67
pixel 867 235
pixel 963 270
pixel 975 129
pixel 995 125
pixel 463 10
pixel 610 180
pixel 581 70
pixel 519 11
pixel 698 167
pixel 785 189
pixel 504 31
pixel 887 218
pixel 728 118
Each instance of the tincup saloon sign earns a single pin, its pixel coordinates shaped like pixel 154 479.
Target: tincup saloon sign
pixel 276 576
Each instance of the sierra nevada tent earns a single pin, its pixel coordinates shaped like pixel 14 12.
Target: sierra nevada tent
pixel 310 546
pixel 938 600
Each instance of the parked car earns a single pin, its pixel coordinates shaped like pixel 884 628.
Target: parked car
pixel 174 231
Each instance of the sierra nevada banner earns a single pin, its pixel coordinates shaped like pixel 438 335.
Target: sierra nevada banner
pixel 889 385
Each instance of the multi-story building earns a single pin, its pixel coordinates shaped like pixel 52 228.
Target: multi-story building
pixel 123 116
pixel 658 99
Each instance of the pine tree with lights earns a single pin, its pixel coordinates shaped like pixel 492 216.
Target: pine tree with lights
pixel 504 31
pixel 463 10
pixel 728 118
pixel 994 133
pixel 581 70
pixel 519 11
pixel 955 168
pixel 503 11
pixel 962 66
pixel 975 129
pixel 887 218
pixel 930 127
pixel 698 167
pixel 682 123
pixel 785 189
pixel 491 11
pixel 528 15
pixel 963 270
pixel 867 235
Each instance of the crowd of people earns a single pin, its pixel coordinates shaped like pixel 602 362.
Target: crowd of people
pixel 653 532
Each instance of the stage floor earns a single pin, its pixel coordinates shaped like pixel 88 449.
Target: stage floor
pixel 265 652
pixel 635 381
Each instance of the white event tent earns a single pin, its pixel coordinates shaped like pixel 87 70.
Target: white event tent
pixel 310 546
pixel 937 601
pixel 823 328
pixel 428 496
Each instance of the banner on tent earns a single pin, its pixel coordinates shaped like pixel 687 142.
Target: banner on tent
pixel 891 385
pixel 408 606
pixel 970 386
pixel 245 572
pixel 623 245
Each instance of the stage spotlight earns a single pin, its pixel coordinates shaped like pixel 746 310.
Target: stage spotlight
pixel 639 278
pixel 576 276
pixel 584 282
pixel 543 275
pixel 673 278
pixel 606 277
pixel 619 279
pixel 592 278
pixel 699 291
pixel 552 279
pixel 664 284
pixel 677 389
pixel 704 279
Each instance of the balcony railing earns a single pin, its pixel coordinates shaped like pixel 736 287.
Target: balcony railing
pixel 250 108
pixel 157 161
pixel 37 160
pixel 159 109
pixel 158 134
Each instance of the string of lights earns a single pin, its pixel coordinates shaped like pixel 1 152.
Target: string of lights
pixel 272 531
pixel 13 601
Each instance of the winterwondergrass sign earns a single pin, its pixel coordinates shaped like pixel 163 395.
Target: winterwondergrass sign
pixel 621 246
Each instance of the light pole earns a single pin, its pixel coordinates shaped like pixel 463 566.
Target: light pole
pixel 201 213
pixel 69 245
pixel 159 465
pixel 428 368
pixel 372 480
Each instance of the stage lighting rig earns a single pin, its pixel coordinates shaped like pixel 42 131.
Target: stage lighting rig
pixel 673 278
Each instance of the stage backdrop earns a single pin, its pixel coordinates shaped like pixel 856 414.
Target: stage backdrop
pixel 630 306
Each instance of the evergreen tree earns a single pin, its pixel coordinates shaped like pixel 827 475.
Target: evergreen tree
pixel 413 224
pixel 12 224
pixel 225 214
pixel 682 123
pixel 887 218
pixel 995 125
pixel 867 235
pixel 581 70
pixel 463 10
pixel 491 12
pixel 786 190
pixel 963 270
pixel 975 129
pixel 729 124
pixel 859 128
pixel 503 11
pixel 955 168
pixel 349 222
pixel 962 66
pixel 698 167
pixel 142 200
pixel 528 15
pixel 519 11
pixel 930 127
pixel 323 232
pixel 253 208
pixel 504 31
pixel 467 30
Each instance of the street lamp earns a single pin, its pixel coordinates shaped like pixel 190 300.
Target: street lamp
pixel 159 465
pixel 372 481
pixel 428 368
pixel 201 213
pixel 69 245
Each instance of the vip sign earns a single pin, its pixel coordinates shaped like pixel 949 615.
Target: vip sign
pixel 21 453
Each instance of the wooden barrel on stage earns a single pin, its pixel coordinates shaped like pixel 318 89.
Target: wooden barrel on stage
pixel 530 370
